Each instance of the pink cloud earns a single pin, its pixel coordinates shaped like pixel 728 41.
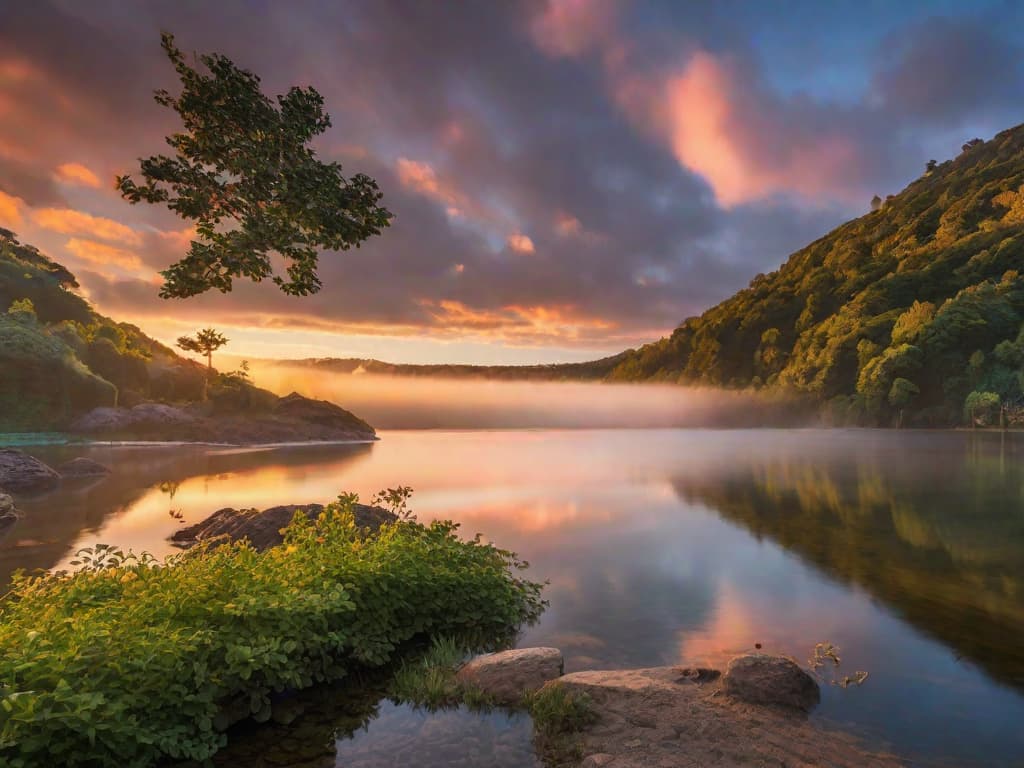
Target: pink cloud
pixel 520 243
pixel 101 254
pixel 748 143
pixel 572 27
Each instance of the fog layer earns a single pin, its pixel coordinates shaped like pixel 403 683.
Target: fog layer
pixel 400 402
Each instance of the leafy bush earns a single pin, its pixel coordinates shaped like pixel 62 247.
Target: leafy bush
pixel 128 662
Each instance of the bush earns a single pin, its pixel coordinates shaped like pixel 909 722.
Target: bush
pixel 128 662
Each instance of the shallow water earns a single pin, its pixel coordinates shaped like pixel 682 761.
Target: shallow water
pixel 666 546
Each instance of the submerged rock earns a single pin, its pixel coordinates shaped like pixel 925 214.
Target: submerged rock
pixel 758 678
pixel 506 676
pixel 82 467
pixel 23 473
pixel 263 529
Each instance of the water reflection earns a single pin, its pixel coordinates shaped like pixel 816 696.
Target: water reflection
pixel 905 549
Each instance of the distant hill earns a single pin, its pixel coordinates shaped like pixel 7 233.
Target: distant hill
pixel 595 370
pixel 912 312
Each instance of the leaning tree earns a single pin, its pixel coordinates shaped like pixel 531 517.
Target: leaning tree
pixel 243 173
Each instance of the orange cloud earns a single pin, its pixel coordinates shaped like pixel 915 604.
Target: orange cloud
pixel 10 210
pixel 520 243
pixel 76 173
pixel 743 144
pixel 103 255
pixel 71 222
pixel 517 323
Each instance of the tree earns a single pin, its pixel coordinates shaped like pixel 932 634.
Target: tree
pixel 982 407
pixel 930 166
pixel 876 203
pixel 205 342
pixel 242 171
pixel 900 395
pixel 969 145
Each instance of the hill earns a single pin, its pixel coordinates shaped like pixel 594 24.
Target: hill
pixel 63 365
pixel 912 313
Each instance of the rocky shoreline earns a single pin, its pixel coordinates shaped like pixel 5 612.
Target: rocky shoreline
pixel 754 713
pixel 292 418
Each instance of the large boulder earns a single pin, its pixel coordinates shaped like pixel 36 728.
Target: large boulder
pixel 263 529
pixel 758 678
pixel 23 473
pixel 82 467
pixel 506 676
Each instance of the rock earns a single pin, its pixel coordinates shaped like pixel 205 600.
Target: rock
pixel 758 678
pixel 23 473
pixel 597 760
pixel 322 412
pixel 145 416
pixel 506 676
pixel 82 467
pixel 263 529
pixel 687 723
pixel 8 514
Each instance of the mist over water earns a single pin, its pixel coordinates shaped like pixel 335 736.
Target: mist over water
pixel 414 402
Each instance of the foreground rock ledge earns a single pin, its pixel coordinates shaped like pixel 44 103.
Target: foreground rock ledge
pixel 677 717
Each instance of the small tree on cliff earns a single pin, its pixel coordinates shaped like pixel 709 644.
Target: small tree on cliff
pixel 242 171
pixel 205 342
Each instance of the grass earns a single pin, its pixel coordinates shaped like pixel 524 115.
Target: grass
pixel 429 680
pixel 559 715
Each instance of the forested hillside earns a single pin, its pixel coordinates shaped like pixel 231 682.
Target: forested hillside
pixel 59 358
pixel 910 313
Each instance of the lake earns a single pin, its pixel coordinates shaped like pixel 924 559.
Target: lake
pixel 905 549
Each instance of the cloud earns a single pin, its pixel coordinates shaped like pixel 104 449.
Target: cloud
pixel 103 255
pixel 942 69
pixel 71 222
pixel 10 210
pixel 520 243
pixel 76 173
pixel 749 145
pixel 572 27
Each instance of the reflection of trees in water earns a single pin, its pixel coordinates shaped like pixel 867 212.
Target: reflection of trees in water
pixel 311 723
pixel 937 534
pixel 51 523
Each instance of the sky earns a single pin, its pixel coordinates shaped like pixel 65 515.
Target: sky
pixel 569 178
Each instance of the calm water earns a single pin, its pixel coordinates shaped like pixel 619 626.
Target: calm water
pixel 661 546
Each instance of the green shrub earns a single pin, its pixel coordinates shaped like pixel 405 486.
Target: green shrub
pixel 128 662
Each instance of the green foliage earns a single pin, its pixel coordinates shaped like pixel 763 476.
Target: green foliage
pixel 129 662
pixel 909 291
pixel 982 408
pixel 243 171
pixel 205 342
